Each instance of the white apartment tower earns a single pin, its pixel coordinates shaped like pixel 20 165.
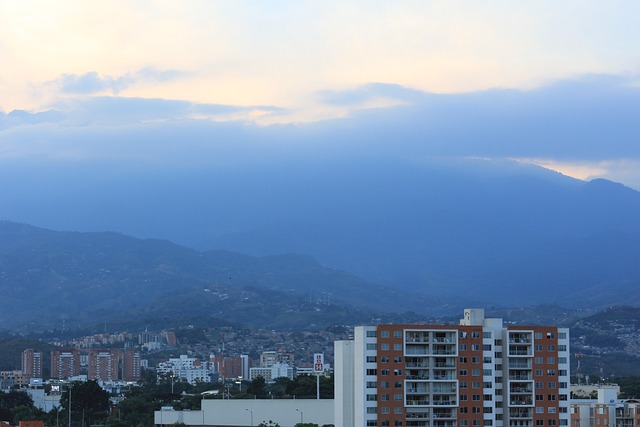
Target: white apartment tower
pixel 477 373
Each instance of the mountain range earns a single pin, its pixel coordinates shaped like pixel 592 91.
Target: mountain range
pixel 391 235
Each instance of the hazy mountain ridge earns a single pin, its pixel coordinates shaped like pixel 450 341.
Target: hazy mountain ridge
pixel 92 276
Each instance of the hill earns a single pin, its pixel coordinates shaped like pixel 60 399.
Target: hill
pixel 47 277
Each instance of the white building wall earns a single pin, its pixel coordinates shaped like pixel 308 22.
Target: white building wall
pixel 343 385
pixel 219 412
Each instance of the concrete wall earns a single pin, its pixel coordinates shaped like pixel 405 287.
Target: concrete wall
pixel 218 412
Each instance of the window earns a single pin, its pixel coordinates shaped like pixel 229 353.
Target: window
pixel 475 372
pixel 486 347
pixel 552 422
pixel 487 384
pixel 487 410
pixel 397 347
pixel 463 360
pixel 551 385
pixel 397 372
pixel 384 359
pixel 384 384
pixel 384 397
pixel 538 372
pixel 397 423
pixel 487 359
pixel 385 410
pixel 551 360
pixel 372 397
pixel 551 397
pixel 462 334
pixel 562 372
pixel 551 372
pixel 475 397
pixel 475 410
pixel 397 334
pixel 397 359
pixel 538 347
pixel 384 346
pixel 384 372
pixel 475 347
pixel 397 384
pixel 463 372
pixel 562 347
pixel 497 342
pixel 475 359
pixel 538 335
pixel 562 335
pixel 372 372
pixel 385 423
pixel 487 398
pixel 551 410
pixel 475 384
pixel 371 359
pixel 475 334
pixel 539 360
pixel 397 410
pixel 371 334
pixel 486 372
pixel 486 334
pixel 464 423
pixel 539 397
pixel 372 423
pixel 464 410
pixel 397 397
pixel 475 422
pixel 371 384
pixel 550 335
pixel 539 384
pixel 371 346
pixel 562 397
pixel 384 334
pixel 539 410
pixel 371 410
pixel 463 347
pixel 487 422
pixel 463 397
pixel 562 360
pixel 463 384
pixel 562 385
pixel 551 347
pixel 539 422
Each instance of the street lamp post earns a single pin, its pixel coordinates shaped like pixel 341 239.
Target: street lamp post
pixel 251 414
pixel 301 416
pixel 70 404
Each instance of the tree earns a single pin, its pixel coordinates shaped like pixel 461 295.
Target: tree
pixel 12 400
pixel 258 387
pixel 89 402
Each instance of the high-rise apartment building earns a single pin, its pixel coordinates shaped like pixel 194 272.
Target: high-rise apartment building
pixel 32 363
pixel 65 364
pixel 131 365
pixel 477 373
pixel 104 365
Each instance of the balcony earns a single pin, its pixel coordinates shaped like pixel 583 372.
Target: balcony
pixel 424 401
pixel 520 413
pixel 411 423
pixel 521 402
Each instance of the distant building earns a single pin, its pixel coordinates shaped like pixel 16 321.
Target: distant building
pixel 131 365
pixel 32 363
pixel 477 373
pixel 606 410
pixel 104 365
pixel 185 368
pixel 65 364
pixel 269 374
pixel 232 366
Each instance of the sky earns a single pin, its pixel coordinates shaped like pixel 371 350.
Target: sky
pixel 551 83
